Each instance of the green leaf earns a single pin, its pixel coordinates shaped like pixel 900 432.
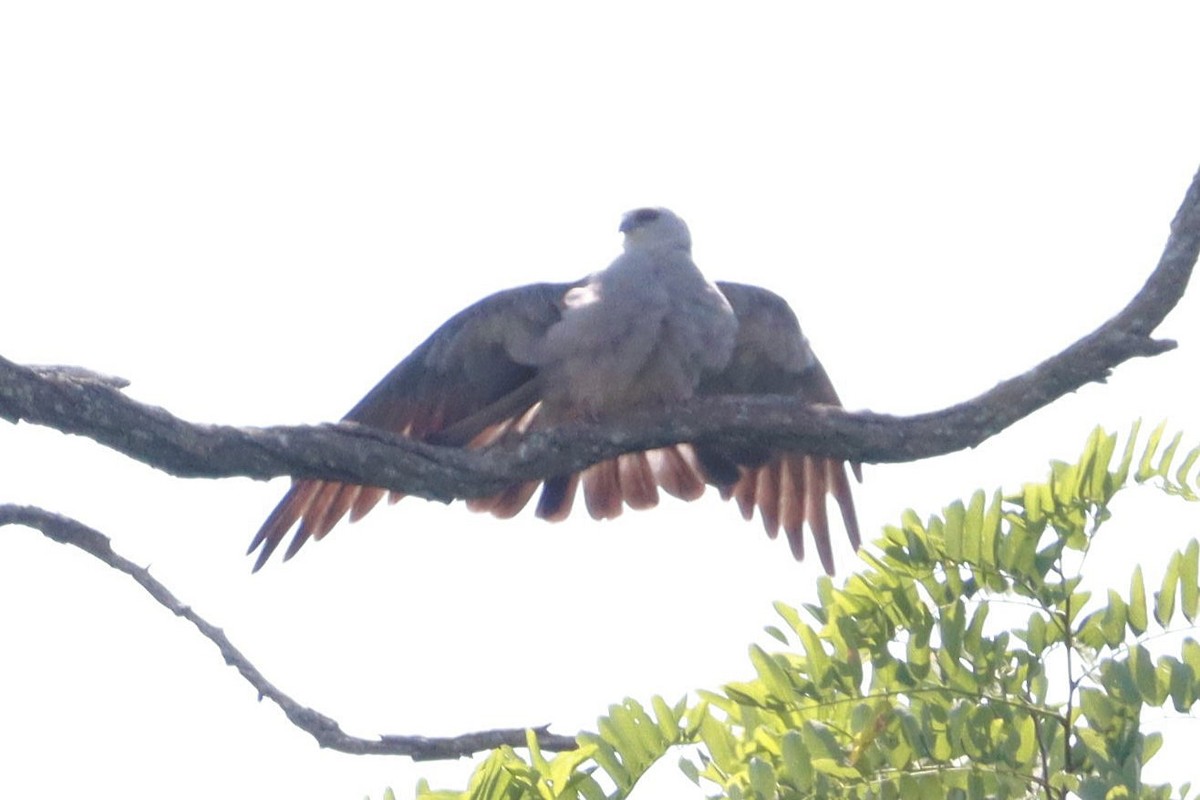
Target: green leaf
pixel 1099 485
pixel 1185 677
pixel 1035 633
pixel 1145 471
pixel 990 531
pixel 821 742
pixel 796 760
pixel 1095 743
pixel 1122 473
pixel 762 778
pixel 535 752
pixel 1181 475
pixel 1117 677
pixel 1189 580
pixel 720 741
pixel 634 734
pixel 1027 750
pixel 1145 674
pixel 1137 619
pixel 918 653
pixel 1097 707
pixel 952 628
pixel 818 660
pixel 1032 500
pixel 1164 601
pixel 1079 601
pixel 952 531
pixel 667 718
pixel 690 770
pixel 563 771
pixel 956 674
pixel 1191 654
pixel 1151 745
pixel 773 676
pixel 606 756
pixel 1164 464
pixel 1113 620
pixel 973 638
pixel 790 615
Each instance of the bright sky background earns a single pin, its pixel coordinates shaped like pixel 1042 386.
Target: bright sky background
pixel 252 210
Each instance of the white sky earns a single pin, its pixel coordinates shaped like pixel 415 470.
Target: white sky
pixel 252 210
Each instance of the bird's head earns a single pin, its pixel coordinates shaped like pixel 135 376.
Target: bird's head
pixel 653 228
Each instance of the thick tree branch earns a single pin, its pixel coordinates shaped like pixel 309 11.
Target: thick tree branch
pixel 325 730
pixel 74 402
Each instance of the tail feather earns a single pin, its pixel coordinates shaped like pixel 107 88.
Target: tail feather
pixel 629 479
pixel 840 489
pixel 367 499
pixel 766 497
pixel 638 486
pixel 302 535
pixel 792 502
pixel 816 478
pixel 558 495
pixel 314 523
pixel 508 503
pixel 677 471
pixel 291 507
pixel 789 491
pixel 716 467
pixel 602 490
pixel 744 492
pixel 318 510
pixel 343 500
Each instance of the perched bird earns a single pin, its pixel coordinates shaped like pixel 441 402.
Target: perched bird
pixel 648 331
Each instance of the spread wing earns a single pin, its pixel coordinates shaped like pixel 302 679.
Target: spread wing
pixel 772 356
pixel 460 384
pixel 464 387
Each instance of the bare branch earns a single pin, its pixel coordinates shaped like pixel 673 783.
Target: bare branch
pixel 79 403
pixel 325 730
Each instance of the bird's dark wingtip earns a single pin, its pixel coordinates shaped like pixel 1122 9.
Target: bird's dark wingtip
pixel 262 559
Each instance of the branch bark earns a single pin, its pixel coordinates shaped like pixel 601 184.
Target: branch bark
pixel 325 730
pixel 74 401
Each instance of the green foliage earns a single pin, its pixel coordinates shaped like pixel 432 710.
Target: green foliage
pixel 628 742
pixel 900 684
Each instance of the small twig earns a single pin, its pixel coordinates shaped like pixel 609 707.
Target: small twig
pixel 325 730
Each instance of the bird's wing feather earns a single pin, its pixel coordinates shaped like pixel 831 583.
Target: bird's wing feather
pixel 457 385
pixel 772 356
pixel 465 366
pixel 464 386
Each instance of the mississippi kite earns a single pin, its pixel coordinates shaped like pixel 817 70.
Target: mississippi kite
pixel 646 332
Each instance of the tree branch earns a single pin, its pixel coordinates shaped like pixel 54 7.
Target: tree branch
pixel 325 730
pixel 74 401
